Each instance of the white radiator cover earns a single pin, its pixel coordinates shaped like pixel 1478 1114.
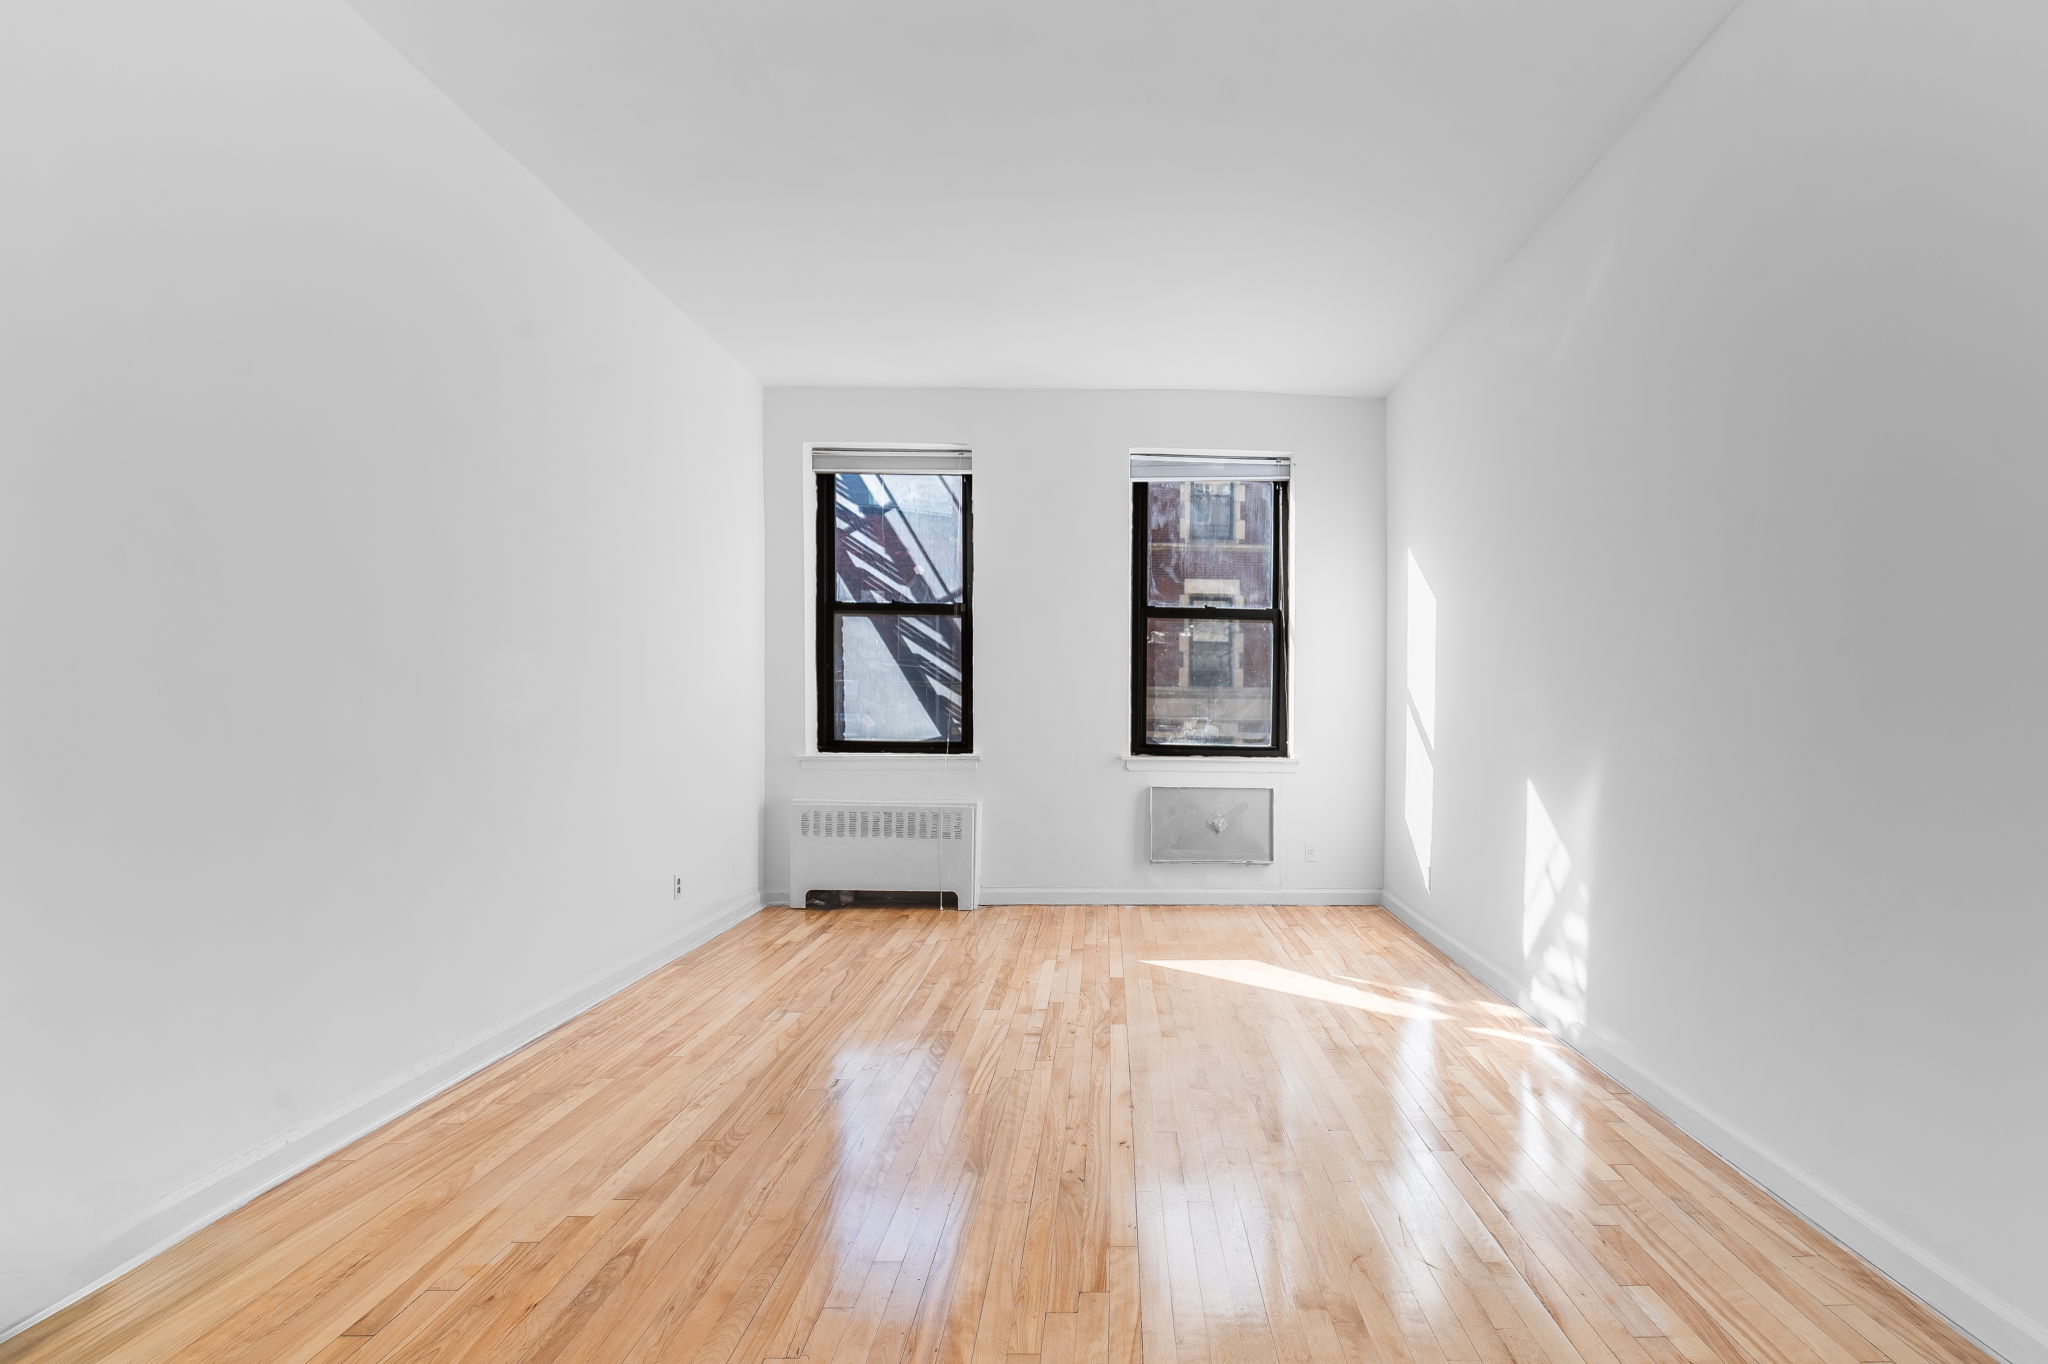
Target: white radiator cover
pixel 885 846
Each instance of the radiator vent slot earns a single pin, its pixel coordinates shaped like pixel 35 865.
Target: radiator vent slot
pixel 919 822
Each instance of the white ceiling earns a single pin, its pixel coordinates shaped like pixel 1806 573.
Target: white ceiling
pixel 1281 195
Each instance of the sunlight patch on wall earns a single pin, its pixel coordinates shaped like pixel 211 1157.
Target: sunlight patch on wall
pixel 1546 867
pixel 1421 650
pixel 1555 932
pixel 1419 797
pixel 1418 804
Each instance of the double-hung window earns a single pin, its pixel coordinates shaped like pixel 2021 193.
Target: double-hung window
pixel 1209 610
pixel 895 600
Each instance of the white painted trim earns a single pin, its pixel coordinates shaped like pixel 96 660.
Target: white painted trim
pixel 220 1191
pixel 1996 1325
pixel 1214 767
pixel 891 762
pixel 1157 895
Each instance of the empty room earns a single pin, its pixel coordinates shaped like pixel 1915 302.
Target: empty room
pixel 1088 682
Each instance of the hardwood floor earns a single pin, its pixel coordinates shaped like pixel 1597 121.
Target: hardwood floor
pixel 1027 1135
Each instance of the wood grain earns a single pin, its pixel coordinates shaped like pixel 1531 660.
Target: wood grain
pixel 1104 1135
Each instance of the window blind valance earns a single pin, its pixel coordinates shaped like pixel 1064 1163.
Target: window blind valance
pixel 935 459
pixel 1209 466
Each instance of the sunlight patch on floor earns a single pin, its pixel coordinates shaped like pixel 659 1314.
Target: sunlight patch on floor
pixel 1267 976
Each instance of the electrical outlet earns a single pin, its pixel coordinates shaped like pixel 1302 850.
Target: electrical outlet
pixel 1308 851
pixel 676 891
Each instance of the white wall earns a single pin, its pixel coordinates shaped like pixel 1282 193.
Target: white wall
pixel 1063 818
pixel 380 607
pixel 1730 493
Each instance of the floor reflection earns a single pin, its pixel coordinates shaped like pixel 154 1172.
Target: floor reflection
pixel 1023 1136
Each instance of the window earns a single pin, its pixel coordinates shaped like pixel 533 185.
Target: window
pixel 1212 648
pixel 1209 628
pixel 1212 655
pixel 1212 511
pixel 895 563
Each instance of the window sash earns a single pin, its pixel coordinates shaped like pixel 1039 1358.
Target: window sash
pixel 1144 613
pixel 829 609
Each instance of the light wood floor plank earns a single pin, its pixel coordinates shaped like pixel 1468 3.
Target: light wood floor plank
pixel 1028 1135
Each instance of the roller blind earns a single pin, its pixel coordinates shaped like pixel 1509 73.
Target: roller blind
pixel 1161 466
pixel 827 459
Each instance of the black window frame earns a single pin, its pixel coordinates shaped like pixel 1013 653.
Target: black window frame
pixel 1144 613
pixel 829 610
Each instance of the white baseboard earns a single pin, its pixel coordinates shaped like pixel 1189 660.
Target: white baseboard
pixel 1153 895
pixel 1996 1325
pixel 1067 895
pixel 220 1191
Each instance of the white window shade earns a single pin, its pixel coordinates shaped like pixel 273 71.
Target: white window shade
pixel 935 459
pixel 1209 466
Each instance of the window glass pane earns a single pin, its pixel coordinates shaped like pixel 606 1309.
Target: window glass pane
pixel 897 678
pixel 896 537
pixel 1209 683
pixel 1209 544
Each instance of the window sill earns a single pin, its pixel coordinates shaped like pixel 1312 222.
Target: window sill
pixel 1154 762
pixel 891 762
